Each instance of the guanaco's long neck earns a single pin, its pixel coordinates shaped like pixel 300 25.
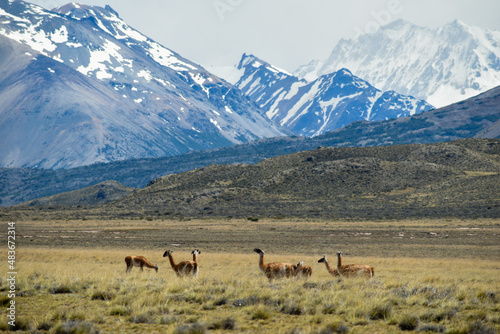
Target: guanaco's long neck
pixel 195 258
pixel 328 267
pixel 171 259
pixel 339 260
pixel 261 262
pixel 149 264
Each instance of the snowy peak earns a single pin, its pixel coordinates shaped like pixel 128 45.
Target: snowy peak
pixel 80 11
pixel 331 101
pixel 151 101
pixel 309 71
pixel 442 65
pixel 251 60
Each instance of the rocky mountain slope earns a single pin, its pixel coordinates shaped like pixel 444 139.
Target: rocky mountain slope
pixel 330 102
pixel 478 117
pixel 442 66
pixel 79 86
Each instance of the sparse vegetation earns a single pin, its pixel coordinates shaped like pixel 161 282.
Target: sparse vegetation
pixel 231 294
pixel 447 180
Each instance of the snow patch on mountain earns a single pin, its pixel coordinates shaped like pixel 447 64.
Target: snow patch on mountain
pixel 324 104
pixel 442 65
pixel 168 100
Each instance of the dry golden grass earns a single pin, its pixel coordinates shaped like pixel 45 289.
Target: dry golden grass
pixel 87 290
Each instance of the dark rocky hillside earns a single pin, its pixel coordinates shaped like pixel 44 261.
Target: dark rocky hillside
pixel 450 179
pixel 94 195
pixel 455 179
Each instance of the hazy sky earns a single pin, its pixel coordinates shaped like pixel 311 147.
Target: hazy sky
pixel 286 33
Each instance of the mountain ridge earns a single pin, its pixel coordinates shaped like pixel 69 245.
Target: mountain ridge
pixel 478 117
pixel 173 105
pixel 331 101
pixel 443 65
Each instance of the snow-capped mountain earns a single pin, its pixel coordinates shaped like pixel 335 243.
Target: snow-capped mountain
pixel 80 86
pixel 327 103
pixel 442 65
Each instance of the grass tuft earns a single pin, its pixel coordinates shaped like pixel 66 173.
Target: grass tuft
pixel 60 289
pixel 336 327
pixel 479 328
pixel 408 322
pixel 225 324
pixel 102 295
pixel 195 328
pixel 260 313
pixel 382 311
pixel 432 328
pixel 76 327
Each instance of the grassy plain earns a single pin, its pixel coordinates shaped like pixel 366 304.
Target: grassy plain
pixel 433 276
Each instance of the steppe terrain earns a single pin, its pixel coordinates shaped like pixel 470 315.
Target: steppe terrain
pixel 431 275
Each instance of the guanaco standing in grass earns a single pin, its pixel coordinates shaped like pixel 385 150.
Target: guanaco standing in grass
pixel 349 270
pixel 332 271
pixel 274 270
pixel 184 268
pixel 299 270
pixel 138 261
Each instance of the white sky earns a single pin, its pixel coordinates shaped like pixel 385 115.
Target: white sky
pixel 286 33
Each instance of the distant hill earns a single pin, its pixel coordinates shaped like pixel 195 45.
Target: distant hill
pixel 94 195
pixel 458 179
pixel 477 117
pixel 453 179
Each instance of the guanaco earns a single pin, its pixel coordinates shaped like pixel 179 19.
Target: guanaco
pixel 138 261
pixel 349 270
pixel 184 268
pixel 274 270
pixel 331 270
pixel 299 270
